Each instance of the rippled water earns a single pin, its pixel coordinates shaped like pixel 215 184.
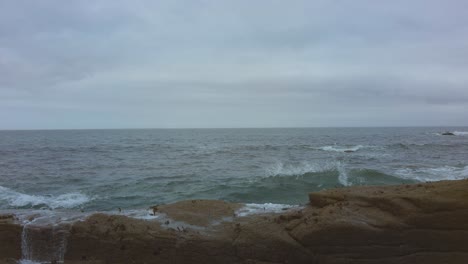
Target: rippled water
pixel 106 169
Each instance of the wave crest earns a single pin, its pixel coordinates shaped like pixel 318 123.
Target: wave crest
pixel 434 174
pixel 460 133
pixel 303 168
pixel 336 148
pixel 296 169
pixel 17 199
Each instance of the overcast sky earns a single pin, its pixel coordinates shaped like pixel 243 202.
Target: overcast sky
pixel 163 64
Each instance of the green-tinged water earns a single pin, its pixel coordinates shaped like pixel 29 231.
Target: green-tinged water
pixel 130 169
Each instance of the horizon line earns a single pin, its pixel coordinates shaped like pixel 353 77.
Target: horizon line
pixel 201 128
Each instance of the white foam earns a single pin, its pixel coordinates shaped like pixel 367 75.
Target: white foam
pixel 46 217
pixel 434 174
pixel 297 169
pixel 460 133
pixel 252 208
pixel 17 199
pixel 456 133
pixel 343 177
pixel 336 148
pixel 165 221
pixel 142 214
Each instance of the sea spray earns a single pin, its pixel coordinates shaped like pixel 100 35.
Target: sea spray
pixel 301 169
pixel 343 175
pixel 43 241
pixel 433 173
pixel 23 200
pixel 296 169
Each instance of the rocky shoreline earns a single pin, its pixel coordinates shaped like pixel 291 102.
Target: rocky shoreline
pixel 421 223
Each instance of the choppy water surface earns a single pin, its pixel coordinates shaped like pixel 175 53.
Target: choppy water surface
pixel 105 169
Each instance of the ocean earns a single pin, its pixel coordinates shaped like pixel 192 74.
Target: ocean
pixel 103 170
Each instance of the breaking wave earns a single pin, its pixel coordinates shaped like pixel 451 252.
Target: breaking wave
pixel 460 133
pixel 290 182
pixel 303 168
pixel 16 199
pixel 434 174
pixel 336 148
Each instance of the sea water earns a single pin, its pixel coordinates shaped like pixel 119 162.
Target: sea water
pixel 103 170
pixel 50 179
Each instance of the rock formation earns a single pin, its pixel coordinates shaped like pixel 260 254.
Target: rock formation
pixel 448 134
pixel 422 223
pixel 10 238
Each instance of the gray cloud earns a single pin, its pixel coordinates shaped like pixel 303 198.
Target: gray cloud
pixel 85 64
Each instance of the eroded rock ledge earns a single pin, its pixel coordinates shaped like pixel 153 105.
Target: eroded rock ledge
pixel 423 223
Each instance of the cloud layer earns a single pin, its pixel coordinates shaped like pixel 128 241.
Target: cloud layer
pixel 118 64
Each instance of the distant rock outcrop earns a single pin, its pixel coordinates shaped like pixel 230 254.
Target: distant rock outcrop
pixel 448 134
pixel 422 223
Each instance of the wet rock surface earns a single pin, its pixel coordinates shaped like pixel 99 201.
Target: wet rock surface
pixel 10 238
pixel 422 223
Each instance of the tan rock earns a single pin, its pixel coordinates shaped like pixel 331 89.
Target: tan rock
pixel 10 238
pixel 422 223
pixel 199 212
